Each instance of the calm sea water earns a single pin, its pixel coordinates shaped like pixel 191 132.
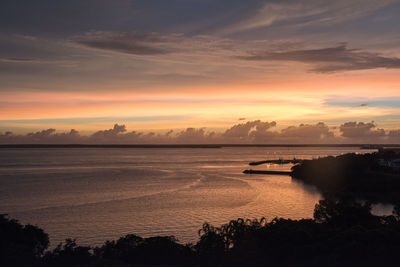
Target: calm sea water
pixel 95 194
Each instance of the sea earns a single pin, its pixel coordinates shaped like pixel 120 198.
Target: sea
pixel 98 194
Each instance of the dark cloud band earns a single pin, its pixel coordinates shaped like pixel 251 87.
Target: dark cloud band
pixel 331 59
pixel 129 43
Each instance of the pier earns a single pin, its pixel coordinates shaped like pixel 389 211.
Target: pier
pixel 276 161
pixel 267 172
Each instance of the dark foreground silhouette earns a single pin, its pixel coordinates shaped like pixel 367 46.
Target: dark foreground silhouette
pixel 342 233
pixel 364 176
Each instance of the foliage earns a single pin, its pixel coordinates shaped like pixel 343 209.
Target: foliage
pixel 132 249
pixel 20 245
pixel 69 254
pixel 343 233
pixel 352 175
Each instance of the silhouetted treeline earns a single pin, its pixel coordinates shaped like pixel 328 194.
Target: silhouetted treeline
pixel 342 233
pixel 353 175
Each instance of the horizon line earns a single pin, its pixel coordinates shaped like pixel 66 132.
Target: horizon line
pixel 362 146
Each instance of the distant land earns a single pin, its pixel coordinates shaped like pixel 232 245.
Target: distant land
pixel 363 146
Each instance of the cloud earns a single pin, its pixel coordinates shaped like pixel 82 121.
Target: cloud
pixel 42 134
pixel 299 13
pixel 251 132
pixel 84 120
pixel 165 60
pixel 192 135
pixel 15 60
pixel 125 42
pixel 48 136
pixel 364 132
pixel 331 59
pixel 242 131
pixel 319 132
pixel 152 43
pixel 394 136
pixel 105 135
pixel 351 101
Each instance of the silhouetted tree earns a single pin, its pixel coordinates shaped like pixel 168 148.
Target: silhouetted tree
pixel 344 212
pixel 211 246
pixel 69 254
pixel 396 212
pixel 20 245
pixel 133 249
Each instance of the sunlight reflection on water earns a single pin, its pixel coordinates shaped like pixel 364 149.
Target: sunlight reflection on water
pixel 98 194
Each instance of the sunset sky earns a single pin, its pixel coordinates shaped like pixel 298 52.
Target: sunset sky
pixel 156 65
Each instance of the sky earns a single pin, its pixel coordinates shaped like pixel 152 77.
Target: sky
pixel 313 71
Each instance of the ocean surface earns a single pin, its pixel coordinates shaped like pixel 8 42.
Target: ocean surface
pixel 98 194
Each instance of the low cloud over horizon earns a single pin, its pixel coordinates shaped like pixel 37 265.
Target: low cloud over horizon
pixel 251 132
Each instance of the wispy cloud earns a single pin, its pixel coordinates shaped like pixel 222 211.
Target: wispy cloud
pixel 392 102
pixel 301 13
pixel 15 60
pixel 130 43
pixel 330 59
pixel 97 119
pixel 151 43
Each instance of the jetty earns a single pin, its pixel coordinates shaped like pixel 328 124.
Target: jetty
pixel 276 161
pixel 267 172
